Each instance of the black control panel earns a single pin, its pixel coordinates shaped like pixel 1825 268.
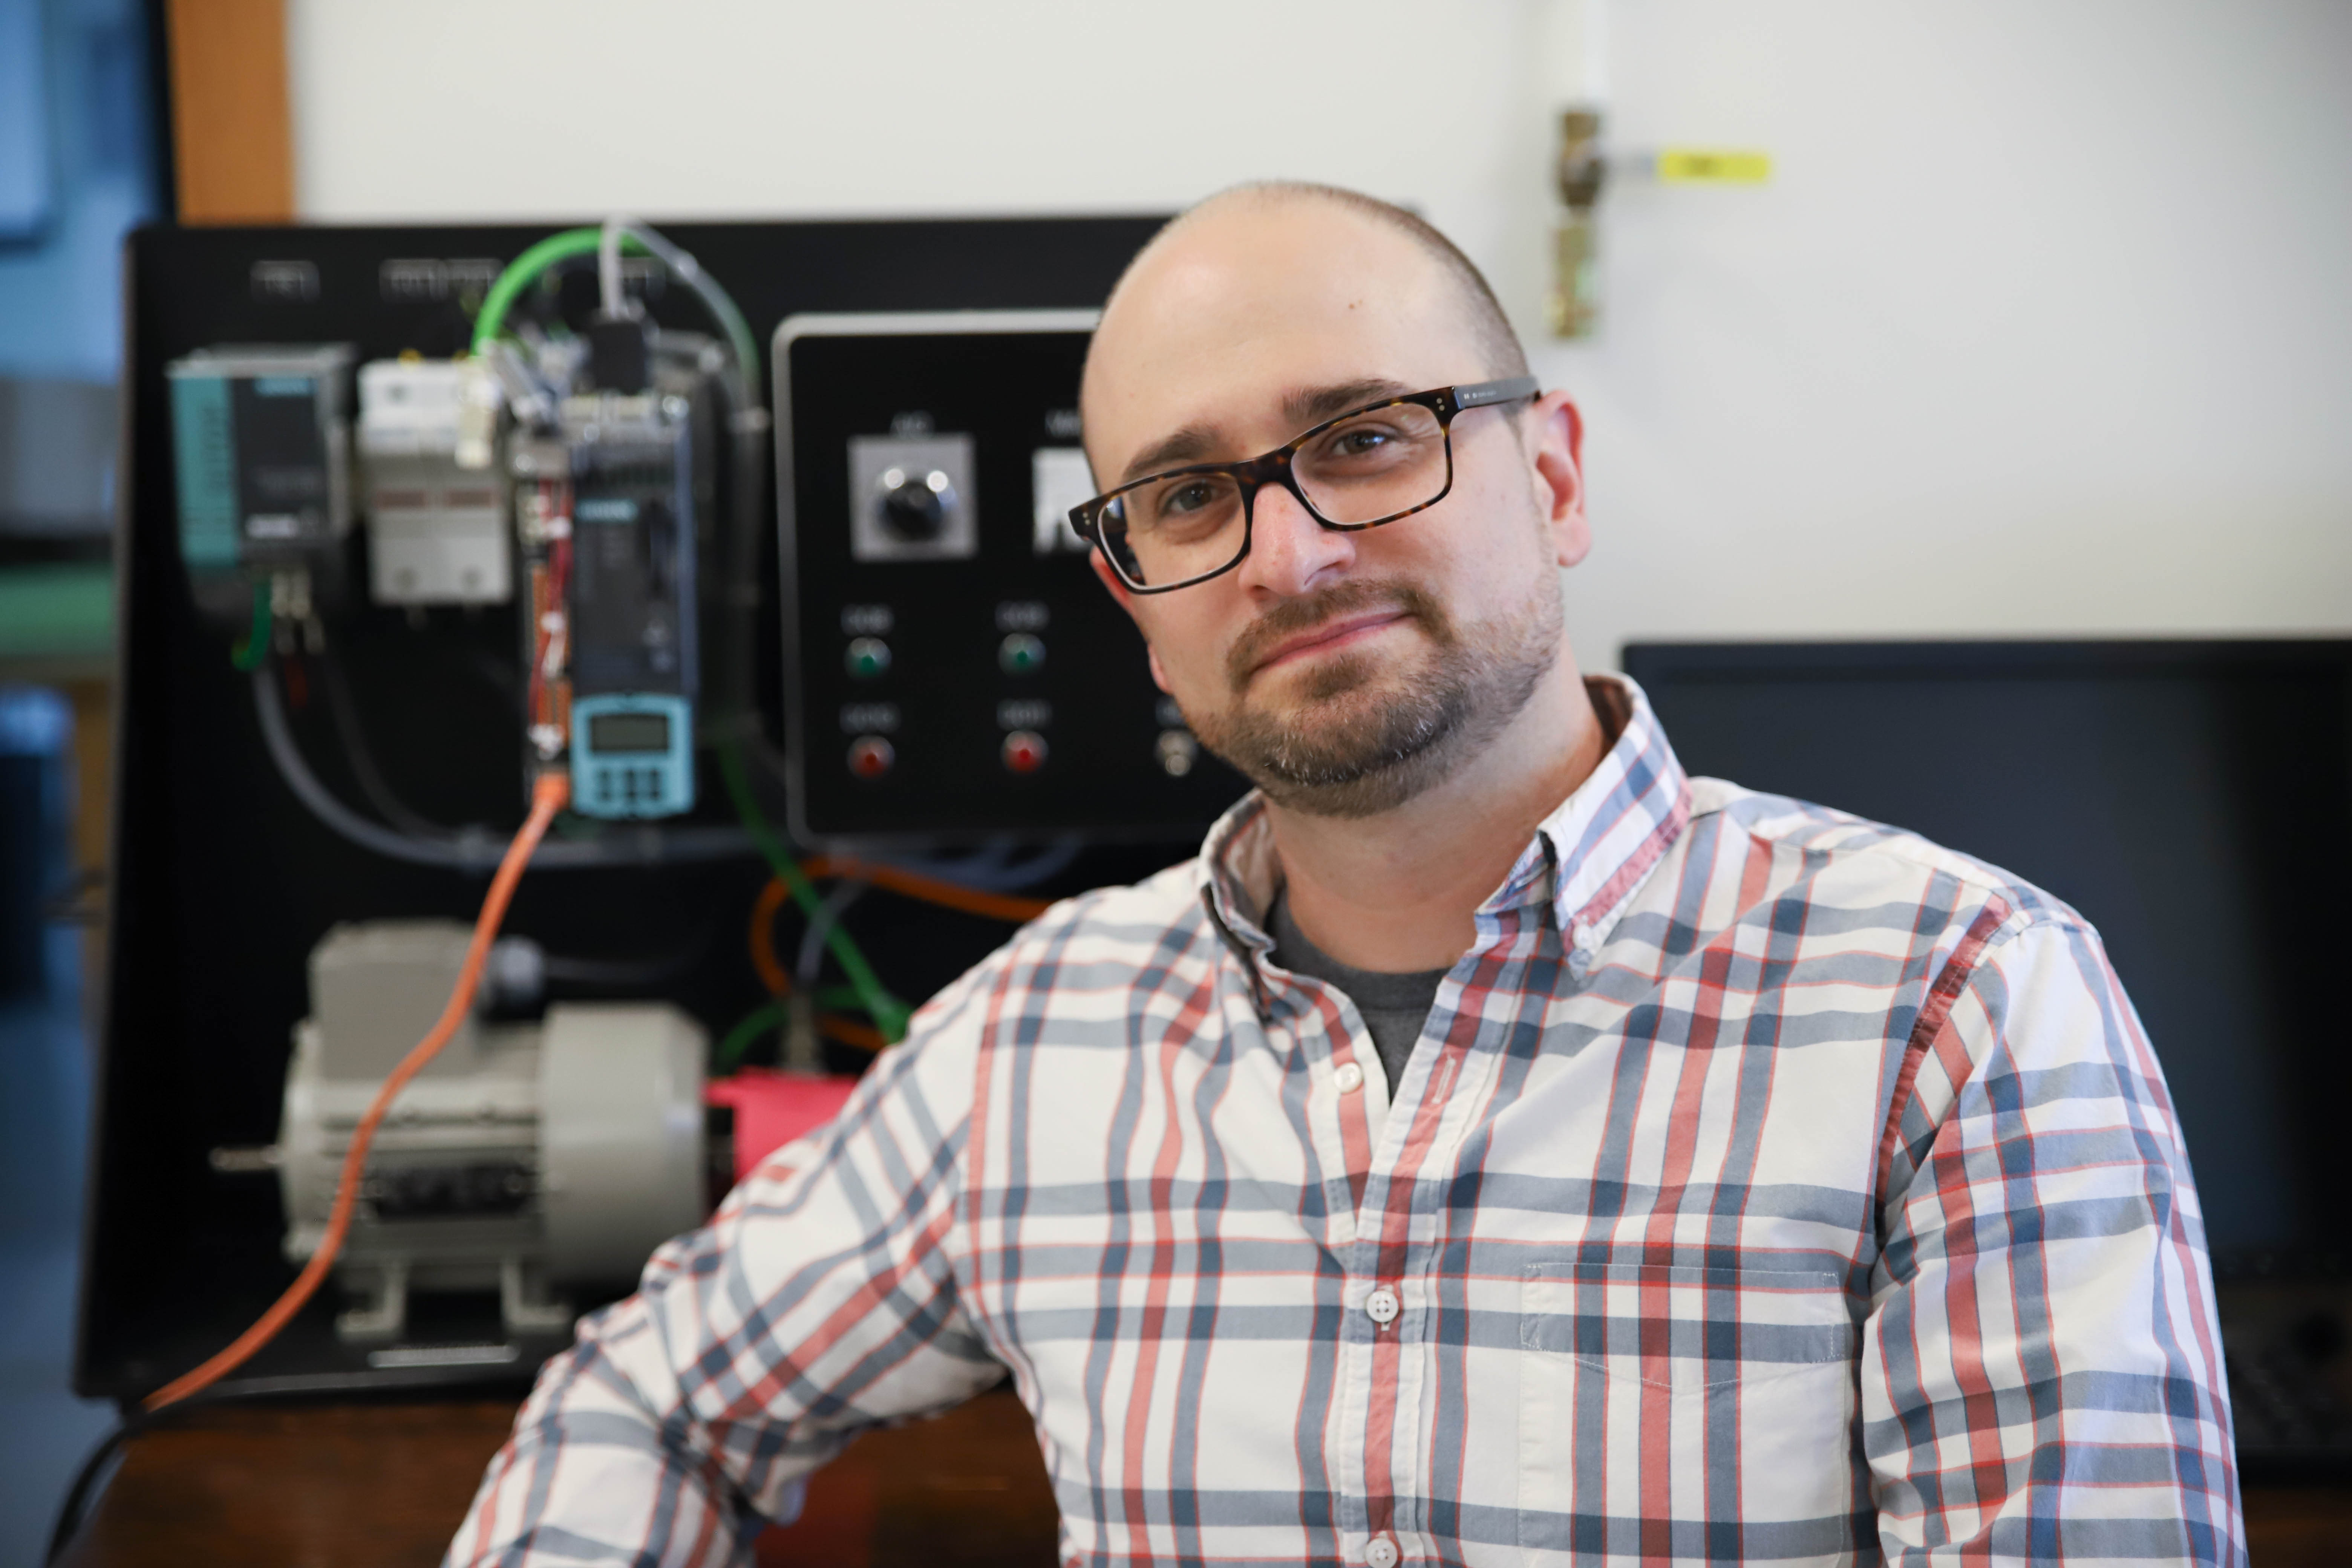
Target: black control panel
pixel 952 669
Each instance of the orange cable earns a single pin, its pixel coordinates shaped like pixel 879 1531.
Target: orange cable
pixel 930 889
pixel 850 1032
pixel 762 937
pixel 548 796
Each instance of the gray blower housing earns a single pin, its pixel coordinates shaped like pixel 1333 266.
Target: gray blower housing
pixel 526 1157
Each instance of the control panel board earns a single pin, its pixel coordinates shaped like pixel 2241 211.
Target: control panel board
pixel 952 669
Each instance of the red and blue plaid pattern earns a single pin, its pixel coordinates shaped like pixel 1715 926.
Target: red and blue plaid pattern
pixel 1766 1185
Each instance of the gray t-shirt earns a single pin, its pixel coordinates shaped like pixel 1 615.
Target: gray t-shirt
pixel 1394 1006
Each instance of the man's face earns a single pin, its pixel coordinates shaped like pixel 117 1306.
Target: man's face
pixel 1343 673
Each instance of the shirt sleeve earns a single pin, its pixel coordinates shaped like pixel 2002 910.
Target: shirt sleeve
pixel 819 1302
pixel 2042 1376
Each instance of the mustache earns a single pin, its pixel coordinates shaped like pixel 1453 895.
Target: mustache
pixel 1292 616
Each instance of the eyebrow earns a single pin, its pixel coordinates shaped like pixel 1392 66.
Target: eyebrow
pixel 1303 407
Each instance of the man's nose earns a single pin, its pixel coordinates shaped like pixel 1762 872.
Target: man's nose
pixel 1290 553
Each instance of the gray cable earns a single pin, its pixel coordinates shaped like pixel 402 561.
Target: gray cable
pixel 989 869
pixel 810 957
pixel 689 271
pixel 475 850
pixel 362 757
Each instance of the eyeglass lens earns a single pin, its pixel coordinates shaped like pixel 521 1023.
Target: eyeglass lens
pixel 1366 467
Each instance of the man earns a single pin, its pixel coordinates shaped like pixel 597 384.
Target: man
pixel 1497 1147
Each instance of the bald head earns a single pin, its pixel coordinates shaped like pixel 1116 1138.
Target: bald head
pixel 1252 256
pixel 1482 312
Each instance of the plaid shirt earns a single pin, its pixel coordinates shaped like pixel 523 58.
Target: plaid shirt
pixel 1766 1185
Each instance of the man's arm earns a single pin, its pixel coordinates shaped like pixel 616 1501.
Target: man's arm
pixel 2041 1372
pixel 819 1302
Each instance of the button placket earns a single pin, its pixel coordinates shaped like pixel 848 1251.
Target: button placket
pixel 1381 1552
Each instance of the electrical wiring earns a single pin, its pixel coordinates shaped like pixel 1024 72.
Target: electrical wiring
pixel 90 1482
pixel 563 969
pixel 988 870
pixel 550 793
pixel 90 1478
pixel 929 890
pixel 471 850
pixel 520 274
pixel 736 1044
pixel 617 231
pixel 361 757
pixel 888 1013
pixel 760 938
pixel 811 956
pixel 247 654
pixel 770 1015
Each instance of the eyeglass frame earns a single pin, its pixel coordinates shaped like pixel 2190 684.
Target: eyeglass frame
pixel 1254 474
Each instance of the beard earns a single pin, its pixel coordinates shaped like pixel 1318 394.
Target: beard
pixel 1359 741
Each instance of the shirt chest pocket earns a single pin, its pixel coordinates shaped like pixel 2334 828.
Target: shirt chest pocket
pixel 1660 1406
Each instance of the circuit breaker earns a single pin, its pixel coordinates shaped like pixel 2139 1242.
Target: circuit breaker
pixel 437 531
pixel 953 667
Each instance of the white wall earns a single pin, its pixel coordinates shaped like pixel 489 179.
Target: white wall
pixel 2041 327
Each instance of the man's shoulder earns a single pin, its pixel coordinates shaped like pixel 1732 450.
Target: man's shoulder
pixel 1859 858
pixel 1126 913
pixel 1093 940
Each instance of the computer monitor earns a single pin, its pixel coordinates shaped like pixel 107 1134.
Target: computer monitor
pixel 2192 799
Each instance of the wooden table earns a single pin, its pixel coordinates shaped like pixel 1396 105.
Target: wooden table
pixel 382 1486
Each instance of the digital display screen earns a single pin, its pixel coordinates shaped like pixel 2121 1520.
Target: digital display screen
pixel 624 733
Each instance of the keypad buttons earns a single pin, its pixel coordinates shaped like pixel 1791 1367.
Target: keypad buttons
pixel 870 756
pixel 866 658
pixel 1020 653
pixel 1024 751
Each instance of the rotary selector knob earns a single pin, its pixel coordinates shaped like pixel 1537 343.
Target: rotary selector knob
pixel 915 505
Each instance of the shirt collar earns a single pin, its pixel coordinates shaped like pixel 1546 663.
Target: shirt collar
pixel 1586 859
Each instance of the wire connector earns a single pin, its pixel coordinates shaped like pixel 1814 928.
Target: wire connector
pixel 479 400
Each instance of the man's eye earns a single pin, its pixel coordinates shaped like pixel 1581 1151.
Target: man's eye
pixel 1358 441
pixel 1188 498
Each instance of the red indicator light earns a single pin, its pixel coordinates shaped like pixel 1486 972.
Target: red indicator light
pixel 1024 751
pixel 870 756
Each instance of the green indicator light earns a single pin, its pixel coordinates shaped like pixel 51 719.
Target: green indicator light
pixel 1020 653
pixel 867 657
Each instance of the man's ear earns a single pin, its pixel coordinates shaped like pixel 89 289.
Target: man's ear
pixel 1557 433
pixel 1119 591
pixel 1110 580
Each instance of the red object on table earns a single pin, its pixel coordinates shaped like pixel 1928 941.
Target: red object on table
pixel 772 1108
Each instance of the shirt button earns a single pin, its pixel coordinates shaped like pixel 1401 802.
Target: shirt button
pixel 1349 1077
pixel 1381 1554
pixel 1380 1306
